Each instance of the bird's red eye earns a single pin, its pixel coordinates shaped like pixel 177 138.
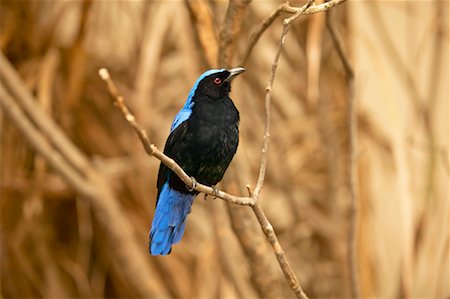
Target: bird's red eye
pixel 217 81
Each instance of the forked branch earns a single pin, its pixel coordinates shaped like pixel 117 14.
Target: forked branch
pixel 250 200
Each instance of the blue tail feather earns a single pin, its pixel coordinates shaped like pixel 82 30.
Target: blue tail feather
pixel 170 219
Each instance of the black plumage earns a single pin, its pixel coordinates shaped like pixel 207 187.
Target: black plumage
pixel 203 141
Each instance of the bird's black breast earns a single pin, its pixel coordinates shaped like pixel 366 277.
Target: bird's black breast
pixel 204 144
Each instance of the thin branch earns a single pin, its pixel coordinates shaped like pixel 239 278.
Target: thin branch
pixel 279 252
pixel 263 276
pixel 266 139
pixel 285 7
pixel 251 200
pixel 152 150
pixel 352 162
pixel 254 38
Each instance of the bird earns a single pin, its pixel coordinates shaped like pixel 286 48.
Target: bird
pixel 203 140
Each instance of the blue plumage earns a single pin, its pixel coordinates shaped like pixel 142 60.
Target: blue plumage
pixel 203 139
pixel 169 221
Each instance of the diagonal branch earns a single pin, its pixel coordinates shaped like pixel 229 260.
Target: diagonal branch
pixel 251 200
pixel 56 136
pixel 306 9
pixel 152 150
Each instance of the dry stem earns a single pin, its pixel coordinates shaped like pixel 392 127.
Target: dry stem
pixel 62 155
pixel 352 166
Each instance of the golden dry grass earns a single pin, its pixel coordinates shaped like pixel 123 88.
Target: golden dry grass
pixel 52 245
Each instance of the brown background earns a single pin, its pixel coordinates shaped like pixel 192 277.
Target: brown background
pixel 54 245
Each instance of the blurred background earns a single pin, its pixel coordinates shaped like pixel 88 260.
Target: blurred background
pixel 80 230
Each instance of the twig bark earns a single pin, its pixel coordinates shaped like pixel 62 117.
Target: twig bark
pixel 251 200
pixel 152 150
pixel 311 8
pixel 352 162
pixel 263 277
pixel 289 274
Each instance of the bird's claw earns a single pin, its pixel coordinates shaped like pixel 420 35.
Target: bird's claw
pixel 215 193
pixel 193 185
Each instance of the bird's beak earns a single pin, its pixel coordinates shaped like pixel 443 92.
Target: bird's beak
pixel 234 72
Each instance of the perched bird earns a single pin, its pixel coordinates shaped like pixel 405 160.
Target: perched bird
pixel 203 139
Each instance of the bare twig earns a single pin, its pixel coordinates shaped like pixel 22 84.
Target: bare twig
pixel 279 252
pixel 251 200
pixel 254 38
pixel 152 150
pixel 257 209
pixel 352 162
pixel 262 274
pixel 308 8
pixel 265 146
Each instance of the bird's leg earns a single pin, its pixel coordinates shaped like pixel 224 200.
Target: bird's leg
pixel 215 191
pixel 194 184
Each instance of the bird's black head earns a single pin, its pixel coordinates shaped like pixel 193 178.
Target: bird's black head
pixel 215 84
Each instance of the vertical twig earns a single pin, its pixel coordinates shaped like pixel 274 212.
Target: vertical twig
pixel 352 162
pixel 250 200
pixel 228 35
pixel 265 146
pixel 262 274
pixel 284 7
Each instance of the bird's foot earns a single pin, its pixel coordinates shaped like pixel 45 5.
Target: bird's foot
pixel 193 185
pixel 215 193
